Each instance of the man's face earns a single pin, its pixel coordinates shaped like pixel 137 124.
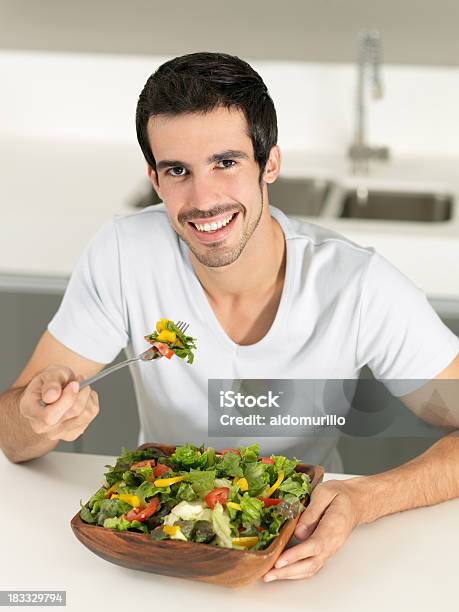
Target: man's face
pixel 209 181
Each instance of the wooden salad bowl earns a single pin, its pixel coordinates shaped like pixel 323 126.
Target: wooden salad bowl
pixel 203 562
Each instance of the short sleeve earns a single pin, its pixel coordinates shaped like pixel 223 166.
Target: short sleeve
pixel 400 335
pixel 91 319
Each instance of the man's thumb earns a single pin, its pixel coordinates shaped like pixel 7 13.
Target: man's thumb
pixel 309 519
pixel 51 392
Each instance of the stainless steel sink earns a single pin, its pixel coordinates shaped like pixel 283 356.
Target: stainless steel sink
pixel 364 203
pixel 295 196
pixel 326 198
pixel 300 196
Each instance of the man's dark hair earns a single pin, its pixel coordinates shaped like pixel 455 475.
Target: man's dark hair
pixel 199 83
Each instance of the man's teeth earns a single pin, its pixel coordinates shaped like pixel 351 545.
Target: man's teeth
pixel 211 227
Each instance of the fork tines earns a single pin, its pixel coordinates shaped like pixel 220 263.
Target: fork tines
pixel 182 326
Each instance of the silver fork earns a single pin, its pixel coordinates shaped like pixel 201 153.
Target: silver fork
pixel 148 355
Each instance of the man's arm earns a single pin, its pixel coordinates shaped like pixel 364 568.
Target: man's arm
pixel 28 430
pixel 433 476
pixel 426 480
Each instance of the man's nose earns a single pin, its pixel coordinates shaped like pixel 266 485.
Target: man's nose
pixel 203 192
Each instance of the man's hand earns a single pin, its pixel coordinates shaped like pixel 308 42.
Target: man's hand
pixel 324 526
pixel 69 411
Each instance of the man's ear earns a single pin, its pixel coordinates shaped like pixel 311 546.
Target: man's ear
pixel 152 177
pixel 273 165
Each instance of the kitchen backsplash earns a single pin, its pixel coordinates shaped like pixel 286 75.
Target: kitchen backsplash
pixel 93 97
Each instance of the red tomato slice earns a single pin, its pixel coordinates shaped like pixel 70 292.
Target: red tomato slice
pixel 217 496
pixel 160 469
pixel 165 350
pixel 133 514
pixel 228 450
pixel 141 514
pixel 267 460
pixel 269 502
pixel 144 463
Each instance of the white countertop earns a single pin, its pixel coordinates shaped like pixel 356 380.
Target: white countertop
pixel 56 194
pixel 402 562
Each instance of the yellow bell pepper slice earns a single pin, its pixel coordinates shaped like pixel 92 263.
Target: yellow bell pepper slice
pixel 167 336
pixel 161 324
pixel 165 482
pixel 233 505
pixel 132 500
pixel 276 485
pixel 112 489
pixel 174 532
pixel 247 541
pixel 241 483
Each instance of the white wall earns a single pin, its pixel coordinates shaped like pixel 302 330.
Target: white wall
pixel 93 97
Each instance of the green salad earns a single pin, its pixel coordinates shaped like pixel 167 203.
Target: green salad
pixel 231 498
pixel 169 340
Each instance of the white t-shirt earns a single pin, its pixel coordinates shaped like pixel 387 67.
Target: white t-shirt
pixel 342 306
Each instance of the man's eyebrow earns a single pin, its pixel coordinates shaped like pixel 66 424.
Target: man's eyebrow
pixel 169 163
pixel 216 157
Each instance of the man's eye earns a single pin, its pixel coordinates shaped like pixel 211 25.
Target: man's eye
pixel 227 163
pixel 176 171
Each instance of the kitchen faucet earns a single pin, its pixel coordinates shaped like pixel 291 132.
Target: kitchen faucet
pixel 369 57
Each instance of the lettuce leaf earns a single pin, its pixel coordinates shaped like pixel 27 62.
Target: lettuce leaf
pixel 257 476
pixel 229 465
pixel 185 492
pixel 249 454
pixel 138 525
pixel 203 532
pixel 98 496
pixel 286 465
pixel 86 516
pixel 189 456
pixel 132 479
pixel 251 510
pixel 122 524
pixel 223 482
pixel 265 538
pixel 276 522
pixel 147 489
pixel 116 522
pixel 110 508
pixel 201 482
pixel 186 527
pixel 125 460
pixel 297 484
pixel 221 526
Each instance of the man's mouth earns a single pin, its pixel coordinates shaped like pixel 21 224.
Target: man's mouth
pixel 215 229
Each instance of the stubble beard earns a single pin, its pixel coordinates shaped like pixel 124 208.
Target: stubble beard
pixel 217 256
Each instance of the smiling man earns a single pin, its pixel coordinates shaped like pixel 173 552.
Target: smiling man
pixel 216 202
pixel 267 296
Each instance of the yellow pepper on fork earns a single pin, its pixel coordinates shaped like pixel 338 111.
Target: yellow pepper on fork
pixel 167 336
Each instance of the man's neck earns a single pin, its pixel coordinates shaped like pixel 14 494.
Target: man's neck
pixel 259 270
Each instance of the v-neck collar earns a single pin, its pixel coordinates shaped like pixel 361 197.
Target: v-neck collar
pixel 284 303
